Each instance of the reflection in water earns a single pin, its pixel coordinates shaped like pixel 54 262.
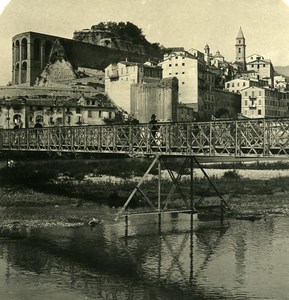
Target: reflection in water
pixel 211 262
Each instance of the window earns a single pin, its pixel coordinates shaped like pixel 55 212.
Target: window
pixel 238 84
pixel 239 50
pixel 260 93
pixel 109 115
pixel 183 64
pixel 176 57
pixel 246 94
pixel 264 66
pixel 176 65
pixel 246 102
pixel 233 84
pixel 246 112
pixel 89 113
pixel 100 114
pixel 177 73
pixel 259 102
pixel 252 66
pixel 259 112
pixel 228 85
pixel 253 93
pixel 183 82
pixel 183 72
pixel 170 65
pixel 78 110
pixel 244 83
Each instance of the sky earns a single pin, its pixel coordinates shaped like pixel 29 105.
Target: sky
pixel 172 23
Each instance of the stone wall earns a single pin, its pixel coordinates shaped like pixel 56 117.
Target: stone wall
pixel 160 99
pixel 30 60
pixel 227 101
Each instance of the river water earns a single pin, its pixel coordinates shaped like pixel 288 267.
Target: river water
pixel 243 260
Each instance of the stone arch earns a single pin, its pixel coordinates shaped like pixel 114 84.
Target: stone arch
pixel 37 49
pixel 13 51
pixel 17 50
pixel 24 49
pixel 47 49
pixel 17 73
pixel 24 72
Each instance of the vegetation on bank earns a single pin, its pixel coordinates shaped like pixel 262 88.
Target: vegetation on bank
pixel 79 181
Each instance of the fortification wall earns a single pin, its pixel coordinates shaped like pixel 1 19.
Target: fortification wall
pixel 160 99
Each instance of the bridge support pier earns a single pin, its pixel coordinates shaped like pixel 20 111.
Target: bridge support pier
pixel 166 201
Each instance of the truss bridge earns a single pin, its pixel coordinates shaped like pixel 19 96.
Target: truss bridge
pixel 238 138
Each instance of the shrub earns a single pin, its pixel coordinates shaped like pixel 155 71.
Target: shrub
pixel 231 175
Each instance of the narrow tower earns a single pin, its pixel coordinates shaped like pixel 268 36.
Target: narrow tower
pixel 207 55
pixel 241 50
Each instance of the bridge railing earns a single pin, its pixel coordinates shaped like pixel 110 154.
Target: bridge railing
pixel 257 137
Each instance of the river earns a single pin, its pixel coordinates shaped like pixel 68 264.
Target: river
pixel 243 260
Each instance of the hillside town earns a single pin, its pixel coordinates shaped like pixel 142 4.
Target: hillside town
pixel 100 78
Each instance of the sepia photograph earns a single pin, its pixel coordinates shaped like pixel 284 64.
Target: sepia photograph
pixel 144 149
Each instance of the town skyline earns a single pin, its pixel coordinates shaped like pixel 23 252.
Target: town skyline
pixel 188 24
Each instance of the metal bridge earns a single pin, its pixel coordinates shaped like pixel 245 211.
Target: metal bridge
pixel 238 138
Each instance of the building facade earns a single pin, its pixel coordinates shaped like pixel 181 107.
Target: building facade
pixel 50 112
pixel 263 68
pixel 238 84
pixel 120 76
pixel 259 102
pixel 196 83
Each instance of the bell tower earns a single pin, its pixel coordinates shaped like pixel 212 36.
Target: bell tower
pixel 241 50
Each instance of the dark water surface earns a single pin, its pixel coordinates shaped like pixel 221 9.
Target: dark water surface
pixel 247 260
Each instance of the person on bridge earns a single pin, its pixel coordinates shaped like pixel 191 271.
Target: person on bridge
pixel 38 125
pixel 154 129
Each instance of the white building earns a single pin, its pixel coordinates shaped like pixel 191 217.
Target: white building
pixel 259 102
pixel 120 76
pixel 263 68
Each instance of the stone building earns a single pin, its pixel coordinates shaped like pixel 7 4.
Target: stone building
pixel 190 69
pixel 31 52
pixel 61 111
pixel 260 102
pixel 263 68
pixel 280 83
pixel 159 98
pixel 238 84
pixel 119 77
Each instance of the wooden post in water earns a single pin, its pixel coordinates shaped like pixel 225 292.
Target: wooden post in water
pixel 159 194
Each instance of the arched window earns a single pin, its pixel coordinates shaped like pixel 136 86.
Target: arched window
pixel 13 52
pixel 24 49
pixel 48 47
pixel 23 72
pixel 17 50
pixel 16 74
pixel 36 49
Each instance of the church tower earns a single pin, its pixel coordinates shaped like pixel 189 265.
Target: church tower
pixel 241 50
pixel 207 55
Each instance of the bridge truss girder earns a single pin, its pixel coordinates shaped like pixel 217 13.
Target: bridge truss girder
pixel 164 200
pixel 239 138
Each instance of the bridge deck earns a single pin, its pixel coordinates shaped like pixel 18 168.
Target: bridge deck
pixel 241 138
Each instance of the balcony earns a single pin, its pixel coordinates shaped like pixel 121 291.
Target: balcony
pixel 113 75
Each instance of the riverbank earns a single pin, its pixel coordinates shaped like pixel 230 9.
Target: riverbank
pixel 33 209
pixel 71 193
